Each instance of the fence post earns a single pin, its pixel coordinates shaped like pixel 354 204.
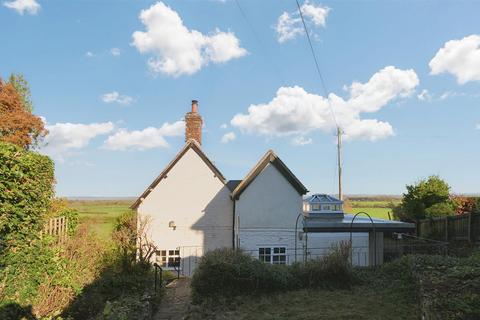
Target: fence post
pixel 470 226
pixel 446 228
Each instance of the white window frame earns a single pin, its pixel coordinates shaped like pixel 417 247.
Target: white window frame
pixel 316 207
pixel 273 255
pixel 167 258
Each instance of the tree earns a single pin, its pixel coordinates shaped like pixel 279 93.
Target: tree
pixel 440 209
pixel 23 89
pixel 427 198
pixel 132 238
pixel 18 125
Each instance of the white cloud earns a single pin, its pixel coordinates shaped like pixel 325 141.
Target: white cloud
pixel 114 96
pixel 424 95
pixel 289 25
pixel 89 54
pixel 227 137
pixel 460 58
pixel 62 138
pixel 22 6
pixel 175 49
pixel 223 126
pixel 147 138
pixel 115 52
pixel 451 94
pixel 301 141
pixel 477 127
pixel 295 112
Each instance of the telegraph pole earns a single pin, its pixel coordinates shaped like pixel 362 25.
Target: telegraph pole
pixel 339 156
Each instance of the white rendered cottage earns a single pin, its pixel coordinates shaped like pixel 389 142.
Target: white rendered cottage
pixel 193 209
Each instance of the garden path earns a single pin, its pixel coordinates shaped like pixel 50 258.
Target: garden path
pixel 176 302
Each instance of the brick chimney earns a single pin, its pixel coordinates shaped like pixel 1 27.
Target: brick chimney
pixel 193 124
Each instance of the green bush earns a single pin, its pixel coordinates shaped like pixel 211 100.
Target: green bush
pixel 226 273
pixel 26 189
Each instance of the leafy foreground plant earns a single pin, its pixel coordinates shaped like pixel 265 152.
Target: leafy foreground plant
pixel 225 273
pixel 449 286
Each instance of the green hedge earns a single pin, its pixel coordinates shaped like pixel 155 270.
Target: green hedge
pixel 26 189
pixel 227 273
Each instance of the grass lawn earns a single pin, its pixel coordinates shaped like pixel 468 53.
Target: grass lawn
pixel 100 214
pixel 361 302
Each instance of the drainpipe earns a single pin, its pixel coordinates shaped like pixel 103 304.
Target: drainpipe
pixel 233 225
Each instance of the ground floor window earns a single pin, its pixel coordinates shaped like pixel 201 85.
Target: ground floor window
pixel 273 255
pixel 168 258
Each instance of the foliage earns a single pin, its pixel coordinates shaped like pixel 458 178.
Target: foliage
pixel 23 89
pixel 387 292
pixel 47 276
pixel 132 238
pixel 449 286
pixel 420 197
pixel 227 273
pixel 115 293
pixel 18 125
pixel 59 208
pixel 440 210
pixel 26 189
pixel 124 236
pixel 465 205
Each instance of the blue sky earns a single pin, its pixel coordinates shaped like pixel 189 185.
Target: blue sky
pixel 403 80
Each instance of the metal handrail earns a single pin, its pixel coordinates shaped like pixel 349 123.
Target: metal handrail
pixel 176 267
pixel 374 237
pixel 157 266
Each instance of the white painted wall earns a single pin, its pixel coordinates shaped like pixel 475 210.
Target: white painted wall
pixel 198 203
pixel 266 213
pixel 270 202
pixel 320 244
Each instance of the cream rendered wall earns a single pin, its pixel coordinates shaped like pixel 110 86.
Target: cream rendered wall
pixel 197 202
pixel 270 201
pixel 266 212
pixel 320 244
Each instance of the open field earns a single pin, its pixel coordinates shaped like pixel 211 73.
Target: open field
pixel 100 214
pixel 374 212
pixel 376 207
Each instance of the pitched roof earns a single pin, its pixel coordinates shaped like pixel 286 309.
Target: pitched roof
pixel 322 198
pixel 269 157
pixel 191 144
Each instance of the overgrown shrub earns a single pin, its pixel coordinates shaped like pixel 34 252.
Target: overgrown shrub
pixel 333 270
pixel 26 189
pixel 114 287
pixel 131 237
pixel 226 273
pixel 47 276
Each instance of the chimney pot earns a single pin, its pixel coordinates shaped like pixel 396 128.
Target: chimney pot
pixel 194 106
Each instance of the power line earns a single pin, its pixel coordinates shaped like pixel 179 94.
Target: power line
pixel 316 65
pixel 259 41
pixel 322 81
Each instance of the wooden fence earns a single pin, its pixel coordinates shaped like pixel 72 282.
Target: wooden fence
pixel 465 227
pixel 57 227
